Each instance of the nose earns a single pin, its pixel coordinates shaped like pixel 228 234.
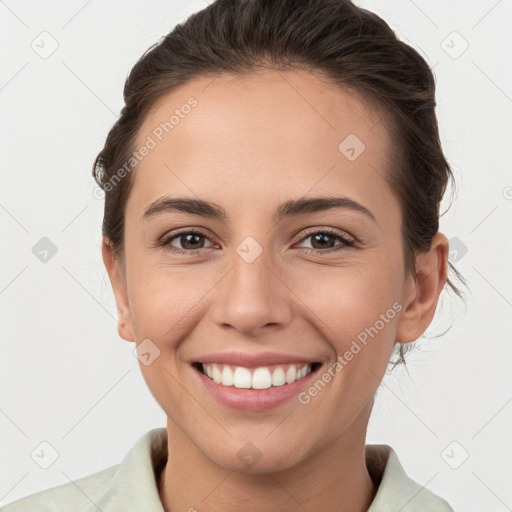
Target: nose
pixel 252 296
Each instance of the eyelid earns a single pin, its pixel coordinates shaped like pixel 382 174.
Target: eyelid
pixel 347 242
pixel 325 229
pixel 166 239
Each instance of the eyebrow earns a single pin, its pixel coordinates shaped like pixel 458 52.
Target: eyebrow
pixel 289 208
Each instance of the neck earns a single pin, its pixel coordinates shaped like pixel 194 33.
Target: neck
pixel 336 478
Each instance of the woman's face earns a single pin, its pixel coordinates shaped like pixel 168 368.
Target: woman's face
pixel 265 282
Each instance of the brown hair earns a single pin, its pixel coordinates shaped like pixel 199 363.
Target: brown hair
pixel 348 45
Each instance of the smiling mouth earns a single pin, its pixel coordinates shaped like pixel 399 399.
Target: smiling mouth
pixel 262 377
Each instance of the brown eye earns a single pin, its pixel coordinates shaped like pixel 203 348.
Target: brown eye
pixel 191 242
pixel 323 241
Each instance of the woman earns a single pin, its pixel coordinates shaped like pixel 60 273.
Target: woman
pixel 271 236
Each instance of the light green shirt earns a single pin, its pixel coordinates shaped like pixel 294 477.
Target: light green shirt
pixel 132 485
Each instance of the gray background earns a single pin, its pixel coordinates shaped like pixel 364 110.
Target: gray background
pixel 69 380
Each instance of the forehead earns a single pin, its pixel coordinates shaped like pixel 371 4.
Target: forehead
pixel 267 131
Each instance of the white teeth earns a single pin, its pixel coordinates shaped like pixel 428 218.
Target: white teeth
pixel 258 378
pixel 217 377
pixel 291 374
pixel 278 378
pixel 261 378
pixel 241 378
pixel 227 376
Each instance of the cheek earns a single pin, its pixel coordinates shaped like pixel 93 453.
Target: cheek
pixel 163 305
pixel 163 300
pixel 347 301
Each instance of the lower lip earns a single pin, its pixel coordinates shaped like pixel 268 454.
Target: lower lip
pixel 254 399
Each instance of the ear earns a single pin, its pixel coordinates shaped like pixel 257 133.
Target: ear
pixel 117 278
pixel 423 290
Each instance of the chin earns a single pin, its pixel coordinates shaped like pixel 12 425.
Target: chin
pixel 254 458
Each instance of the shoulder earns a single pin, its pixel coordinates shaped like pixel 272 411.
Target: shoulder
pixel 131 485
pixel 396 490
pixel 74 496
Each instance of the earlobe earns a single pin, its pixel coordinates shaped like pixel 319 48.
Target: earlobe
pixel 421 294
pixel 118 282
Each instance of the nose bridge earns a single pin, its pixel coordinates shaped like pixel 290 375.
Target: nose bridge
pixel 252 294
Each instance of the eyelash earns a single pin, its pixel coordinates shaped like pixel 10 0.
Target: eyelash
pixel 346 243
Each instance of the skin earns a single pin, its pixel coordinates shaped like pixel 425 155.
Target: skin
pixel 249 145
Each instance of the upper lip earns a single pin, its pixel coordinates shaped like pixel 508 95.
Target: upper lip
pixel 249 360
